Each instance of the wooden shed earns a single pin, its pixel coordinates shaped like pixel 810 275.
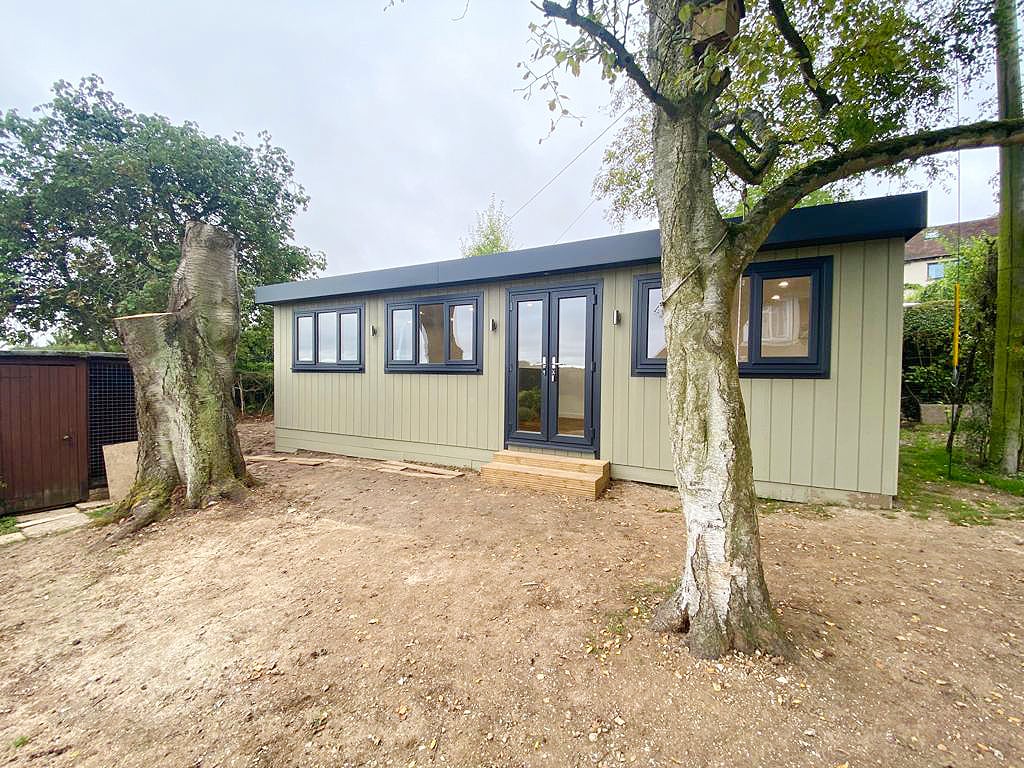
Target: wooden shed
pixel 57 411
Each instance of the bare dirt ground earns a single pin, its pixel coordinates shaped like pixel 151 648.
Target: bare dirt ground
pixel 345 617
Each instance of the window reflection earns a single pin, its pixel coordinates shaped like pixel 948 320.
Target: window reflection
pixel 785 317
pixel 656 346
pixel 401 335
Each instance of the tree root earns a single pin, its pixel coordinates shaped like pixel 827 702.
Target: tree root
pixel 707 638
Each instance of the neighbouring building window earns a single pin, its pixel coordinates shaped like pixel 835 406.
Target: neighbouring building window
pixel 329 339
pixel 780 321
pixel 440 334
pixel 936 269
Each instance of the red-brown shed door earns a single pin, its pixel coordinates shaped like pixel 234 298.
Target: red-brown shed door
pixel 43 435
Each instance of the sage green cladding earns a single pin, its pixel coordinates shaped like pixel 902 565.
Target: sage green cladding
pixel 819 439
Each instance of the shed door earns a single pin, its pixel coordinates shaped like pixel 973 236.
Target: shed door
pixel 43 449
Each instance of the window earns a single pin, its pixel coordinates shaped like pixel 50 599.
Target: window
pixel 780 321
pixel 936 269
pixel 441 334
pixel 329 339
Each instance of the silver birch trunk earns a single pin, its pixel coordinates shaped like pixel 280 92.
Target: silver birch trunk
pixel 183 362
pixel 722 602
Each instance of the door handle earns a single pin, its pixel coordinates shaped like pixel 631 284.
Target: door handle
pixel 66 437
pixel 554 370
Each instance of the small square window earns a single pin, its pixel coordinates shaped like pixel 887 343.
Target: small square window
pixel 329 340
pixel 437 334
pixel 936 270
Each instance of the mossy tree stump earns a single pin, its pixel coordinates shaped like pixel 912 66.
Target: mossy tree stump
pixel 183 362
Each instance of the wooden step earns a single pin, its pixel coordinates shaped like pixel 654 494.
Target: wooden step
pixel 588 484
pixel 567 463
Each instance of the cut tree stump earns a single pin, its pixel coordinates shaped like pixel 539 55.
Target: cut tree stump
pixel 183 362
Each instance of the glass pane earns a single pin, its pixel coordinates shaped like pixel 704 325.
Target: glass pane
pixel 431 329
pixel 529 352
pixel 401 335
pixel 305 340
pixel 785 317
pixel 462 328
pixel 327 337
pixel 655 325
pixel 572 365
pixel 739 320
pixel 350 337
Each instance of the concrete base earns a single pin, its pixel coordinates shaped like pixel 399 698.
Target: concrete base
pixel 10 538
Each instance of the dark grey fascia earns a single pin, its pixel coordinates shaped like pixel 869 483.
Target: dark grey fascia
pixel 876 218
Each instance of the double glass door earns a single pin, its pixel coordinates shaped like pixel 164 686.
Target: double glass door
pixel 551 371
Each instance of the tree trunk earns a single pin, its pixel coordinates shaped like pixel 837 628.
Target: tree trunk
pixel 183 361
pixel 722 602
pixel 1008 366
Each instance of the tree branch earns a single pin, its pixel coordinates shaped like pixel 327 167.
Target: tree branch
pixel 869 157
pixel 623 58
pixel 751 173
pixel 803 54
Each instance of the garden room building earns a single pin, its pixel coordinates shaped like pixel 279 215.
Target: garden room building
pixel 560 350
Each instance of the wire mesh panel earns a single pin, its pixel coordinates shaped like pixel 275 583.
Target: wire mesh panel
pixel 111 411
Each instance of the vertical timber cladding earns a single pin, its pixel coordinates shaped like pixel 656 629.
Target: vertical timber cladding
pixel 839 433
pixel 43 433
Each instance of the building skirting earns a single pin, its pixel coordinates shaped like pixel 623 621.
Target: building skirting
pixel 291 440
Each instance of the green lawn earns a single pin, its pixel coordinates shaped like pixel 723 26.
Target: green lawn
pixel 972 496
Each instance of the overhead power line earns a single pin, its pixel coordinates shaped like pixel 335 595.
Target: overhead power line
pixel 566 167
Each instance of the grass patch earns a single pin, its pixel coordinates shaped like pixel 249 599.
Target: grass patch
pixel 20 742
pixel 964 499
pixel 8 525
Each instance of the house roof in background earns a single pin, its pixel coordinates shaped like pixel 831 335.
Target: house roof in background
pixel 940 241
pixel 876 218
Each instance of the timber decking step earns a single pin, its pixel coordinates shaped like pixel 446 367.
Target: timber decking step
pixel 585 478
pixel 567 463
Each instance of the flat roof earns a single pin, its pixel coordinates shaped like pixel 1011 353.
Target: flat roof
pixel 51 353
pixel 875 218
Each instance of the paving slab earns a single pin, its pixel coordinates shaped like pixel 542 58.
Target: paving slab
pixel 9 538
pixel 34 518
pixel 53 524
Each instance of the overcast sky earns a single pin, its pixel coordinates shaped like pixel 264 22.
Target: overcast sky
pixel 401 123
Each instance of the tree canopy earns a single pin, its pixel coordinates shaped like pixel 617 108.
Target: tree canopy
pixel 492 232
pixel 804 86
pixel 94 199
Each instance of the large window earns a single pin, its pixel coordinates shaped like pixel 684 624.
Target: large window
pixel 328 339
pixel 787 335
pixel 440 334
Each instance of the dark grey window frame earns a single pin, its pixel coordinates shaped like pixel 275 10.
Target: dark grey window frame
pixel 306 366
pixel 474 366
pixel 817 364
